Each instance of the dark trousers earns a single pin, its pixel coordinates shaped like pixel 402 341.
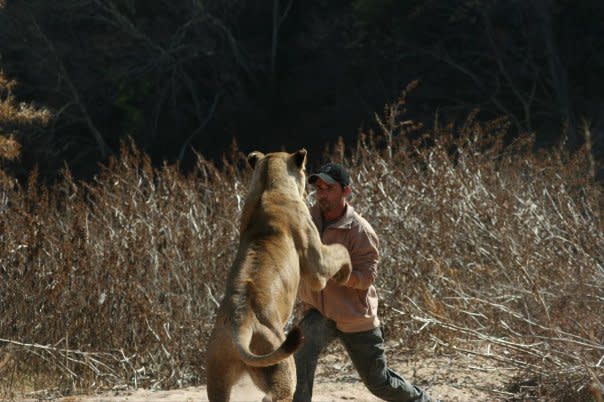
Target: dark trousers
pixel 366 350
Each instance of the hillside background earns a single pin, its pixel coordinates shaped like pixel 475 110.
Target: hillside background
pixel 195 75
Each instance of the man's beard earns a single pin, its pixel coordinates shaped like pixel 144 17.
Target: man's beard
pixel 326 206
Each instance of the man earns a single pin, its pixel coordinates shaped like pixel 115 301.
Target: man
pixel 347 312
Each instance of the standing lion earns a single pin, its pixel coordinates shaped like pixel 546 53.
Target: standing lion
pixel 278 246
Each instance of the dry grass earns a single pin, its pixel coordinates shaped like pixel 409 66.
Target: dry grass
pixel 14 114
pixel 488 249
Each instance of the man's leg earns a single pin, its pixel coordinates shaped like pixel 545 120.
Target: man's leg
pixel 318 333
pixel 366 350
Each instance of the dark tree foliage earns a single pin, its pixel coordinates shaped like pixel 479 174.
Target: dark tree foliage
pixel 178 76
pixel 531 61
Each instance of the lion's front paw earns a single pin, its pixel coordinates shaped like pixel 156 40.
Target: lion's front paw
pixel 341 277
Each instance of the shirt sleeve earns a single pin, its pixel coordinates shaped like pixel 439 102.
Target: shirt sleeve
pixel 364 255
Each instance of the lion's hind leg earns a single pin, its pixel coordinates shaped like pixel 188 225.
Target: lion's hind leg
pixel 224 367
pixel 222 375
pixel 278 381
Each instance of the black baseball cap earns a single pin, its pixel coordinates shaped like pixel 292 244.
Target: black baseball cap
pixel 331 173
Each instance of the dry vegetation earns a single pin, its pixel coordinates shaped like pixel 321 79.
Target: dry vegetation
pixel 17 119
pixel 486 249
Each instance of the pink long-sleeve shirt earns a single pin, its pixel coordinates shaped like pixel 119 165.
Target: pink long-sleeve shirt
pixel 352 306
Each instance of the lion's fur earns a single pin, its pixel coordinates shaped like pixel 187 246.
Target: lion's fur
pixel 278 246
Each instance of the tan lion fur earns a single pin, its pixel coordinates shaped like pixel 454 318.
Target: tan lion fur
pixel 278 246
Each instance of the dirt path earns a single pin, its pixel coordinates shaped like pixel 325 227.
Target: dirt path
pixel 451 379
pixel 346 390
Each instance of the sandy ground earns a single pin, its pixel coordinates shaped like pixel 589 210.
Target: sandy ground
pixel 451 379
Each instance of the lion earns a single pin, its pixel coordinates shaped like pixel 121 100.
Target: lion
pixel 279 246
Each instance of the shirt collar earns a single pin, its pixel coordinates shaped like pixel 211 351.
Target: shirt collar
pixel 345 221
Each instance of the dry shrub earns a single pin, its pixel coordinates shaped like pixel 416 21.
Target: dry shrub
pixel 116 281
pixel 14 114
pixel 487 249
pixel 494 245
pixel 16 120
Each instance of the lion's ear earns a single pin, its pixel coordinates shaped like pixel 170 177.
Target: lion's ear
pixel 254 157
pixel 300 157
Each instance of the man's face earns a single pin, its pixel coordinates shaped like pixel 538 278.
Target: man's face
pixel 330 197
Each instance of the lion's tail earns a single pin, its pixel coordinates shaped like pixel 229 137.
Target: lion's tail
pixel 242 338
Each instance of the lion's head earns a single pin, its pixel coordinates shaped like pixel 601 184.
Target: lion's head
pixel 279 170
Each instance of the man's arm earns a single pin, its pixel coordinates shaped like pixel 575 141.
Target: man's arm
pixel 364 255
